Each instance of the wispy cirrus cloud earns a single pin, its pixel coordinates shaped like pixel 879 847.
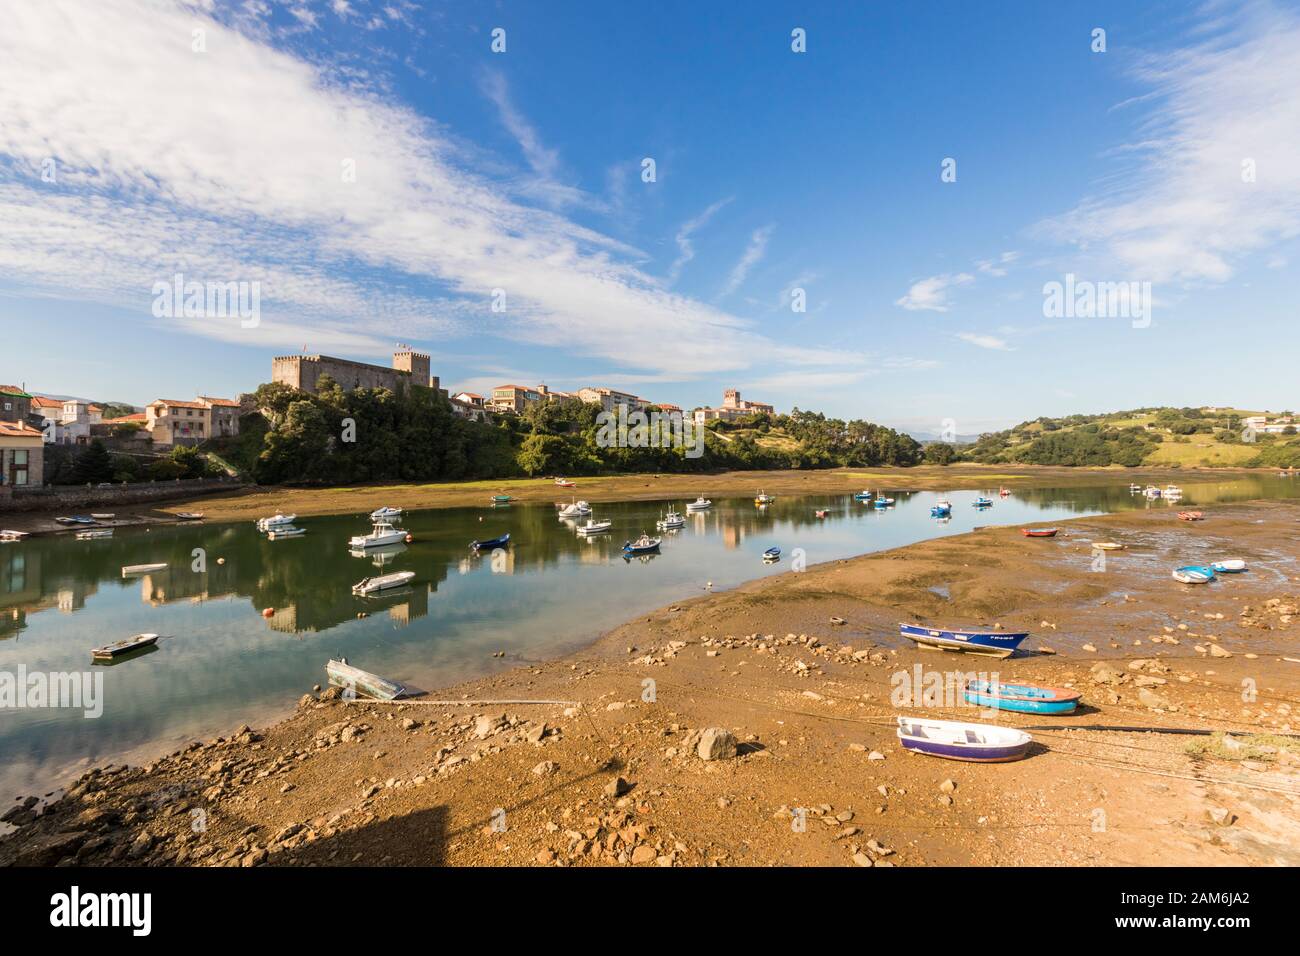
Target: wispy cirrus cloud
pixel 985 341
pixel 685 242
pixel 931 295
pixel 233 163
pixel 752 255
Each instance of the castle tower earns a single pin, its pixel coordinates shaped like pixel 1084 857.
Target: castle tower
pixel 416 363
pixel 731 398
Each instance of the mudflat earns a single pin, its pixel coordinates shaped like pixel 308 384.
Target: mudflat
pixel 607 769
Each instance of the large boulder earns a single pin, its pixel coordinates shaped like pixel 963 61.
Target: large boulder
pixel 716 743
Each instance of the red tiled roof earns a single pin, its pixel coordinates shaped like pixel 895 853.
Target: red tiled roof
pixel 137 417
pixel 18 430
pixel 40 401
pixel 175 404
pixel 219 401
pixel 13 390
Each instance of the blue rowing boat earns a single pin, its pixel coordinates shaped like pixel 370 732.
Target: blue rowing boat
pixel 771 554
pixel 1193 574
pixel 991 643
pixel 983 502
pixel 1022 698
pixel 501 542
pixel 642 545
pixel 863 496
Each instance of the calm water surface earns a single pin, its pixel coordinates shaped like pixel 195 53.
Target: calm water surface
pixel 225 662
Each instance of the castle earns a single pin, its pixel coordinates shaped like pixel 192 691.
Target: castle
pixel 303 372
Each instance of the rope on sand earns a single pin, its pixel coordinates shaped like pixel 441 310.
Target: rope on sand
pixel 461 703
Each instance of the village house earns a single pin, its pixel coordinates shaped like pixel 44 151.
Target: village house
pixel 1262 425
pixel 513 398
pixel 173 422
pixel 610 399
pixel 732 408
pixel 22 453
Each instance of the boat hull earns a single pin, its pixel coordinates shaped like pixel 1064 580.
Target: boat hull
pixel 343 674
pixel 986 643
pixel 971 743
pixel 1022 698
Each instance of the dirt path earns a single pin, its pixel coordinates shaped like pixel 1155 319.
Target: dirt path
pixel 819 777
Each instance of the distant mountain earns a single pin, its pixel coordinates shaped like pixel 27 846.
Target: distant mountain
pixel 926 438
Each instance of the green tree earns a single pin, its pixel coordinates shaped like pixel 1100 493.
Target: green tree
pixel 93 465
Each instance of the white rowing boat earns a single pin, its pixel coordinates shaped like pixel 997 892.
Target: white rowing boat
pixel 131 569
pixel 383 582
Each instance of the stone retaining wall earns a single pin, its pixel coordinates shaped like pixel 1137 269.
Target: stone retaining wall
pixel 79 497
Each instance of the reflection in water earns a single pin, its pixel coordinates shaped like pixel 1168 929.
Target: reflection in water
pixel 550 592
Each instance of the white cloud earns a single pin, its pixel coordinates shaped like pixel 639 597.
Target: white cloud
pixel 685 245
pixel 229 162
pixel 753 253
pixel 932 294
pixel 985 341
pixel 998 266
pixel 1182 212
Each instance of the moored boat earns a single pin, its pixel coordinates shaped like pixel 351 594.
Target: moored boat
pixel 119 648
pixel 281 532
pixel 772 554
pixel 1022 698
pixel 1193 574
pixel 671 521
pixel 266 524
pixel 821 513
pixel 989 643
pixel 1004 492
pixel 130 569
pixel 699 504
pixel 490 543
pixel 763 498
pixel 982 502
pixel 189 516
pixel 1039 532
pixel 1228 566
pixel 97 533
pixel 7 535
pixel 575 509
pixel 381 534
pixel 954 740
pixel 642 545
pixel 385 513
pixel 343 674
pixel 595 527
pixel 941 508
pixel 863 495
pixel 382 582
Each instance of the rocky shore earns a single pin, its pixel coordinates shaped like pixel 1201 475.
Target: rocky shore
pixel 756 727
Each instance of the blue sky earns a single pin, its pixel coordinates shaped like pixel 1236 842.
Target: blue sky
pixel 775 171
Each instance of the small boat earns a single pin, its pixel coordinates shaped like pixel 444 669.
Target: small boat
pixel 1193 574
pixel 75 519
pixel 343 674
pixel 97 533
pixel 385 513
pixel 1152 491
pixel 381 534
pixel 7 535
pixel 109 651
pixel 576 509
pixel 285 531
pixel 131 569
pixel 821 513
pixel 189 516
pixel 642 545
pixel 982 502
pixel 880 504
pixel 595 527
pixel 772 554
pixel 501 499
pixel 1004 492
pixel 1022 698
pixel 266 524
pixel 1229 566
pixel 1191 515
pixel 671 521
pixel 941 508
pixel 700 504
pixel 991 643
pixel 980 743
pixel 1039 532
pixel 863 495
pixel 565 483
pixel 501 542
pixel 1107 546
pixel 382 582
pixel 103 516
pixel 764 498
pixel 1171 491
pixel 1134 489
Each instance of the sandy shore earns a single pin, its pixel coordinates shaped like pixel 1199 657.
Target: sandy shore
pixel 819 777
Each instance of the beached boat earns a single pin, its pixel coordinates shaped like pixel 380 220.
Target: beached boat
pixel 385 514
pixel 118 648
pixel 1191 515
pixel 772 554
pixel 275 521
pixel 131 569
pixel 342 674
pixel 1107 546
pixel 382 582
pixel 1193 574
pixel 7 535
pixel 575 509
pixel 1039 532
pixel 642 545
pixel 1229 566
pixel 189 516
pixel 671 521
pixel 103 515
pixel 381 534
pixel 280 532
pixel 953 740
pixel 989 643
pixel 565 483
pixel 595 527
pixel 763 498
pixel 490 543
pixel 501 499
pixel 97 533
pixel 75 519
pixel 699 504
pixel 1022 698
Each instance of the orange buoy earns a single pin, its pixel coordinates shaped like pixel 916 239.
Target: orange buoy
pixel 267 611
pixel 409 538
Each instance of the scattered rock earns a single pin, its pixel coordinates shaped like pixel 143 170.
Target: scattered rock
pixel 716 743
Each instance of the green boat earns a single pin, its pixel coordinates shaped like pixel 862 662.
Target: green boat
pixel 501 499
